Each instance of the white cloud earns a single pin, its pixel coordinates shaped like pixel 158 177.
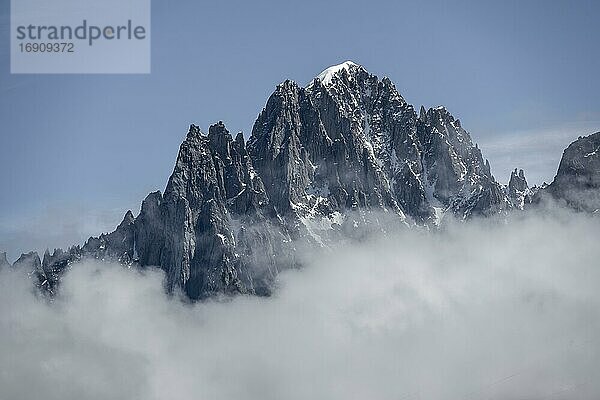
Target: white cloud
pixel 477 311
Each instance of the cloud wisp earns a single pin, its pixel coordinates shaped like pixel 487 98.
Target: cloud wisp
pixel 482 310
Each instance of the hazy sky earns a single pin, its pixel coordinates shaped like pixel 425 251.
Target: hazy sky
pixel 514 72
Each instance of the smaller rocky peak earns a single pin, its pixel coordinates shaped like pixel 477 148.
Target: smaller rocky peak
pixel 423 114
pixel 517 181
pixel 128 220
pixel 239 137
pixel 117 245
pixel 286 87
pixel 582 159
pixel 150 214
pixel 281 109
pixel 439 113
pixel 240 141
pixel 518 189
pixel 3 260
pixel 30 261
pixel 152 201
pixel 219 139
pixel 578 177
pixel 59 254
pixel 194 162
pixel 194 132
pixel 218 129
pixel 285 96
pixel 388 88
pixel 387 82
pixel 450 127
pixel 46 256
pixel 238 145
pixel 92 243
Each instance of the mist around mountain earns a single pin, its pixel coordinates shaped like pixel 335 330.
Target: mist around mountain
pixel 494 308
pixel 337 160
pixel 352 247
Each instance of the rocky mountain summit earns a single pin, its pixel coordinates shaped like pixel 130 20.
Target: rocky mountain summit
pixel 343 154
pixel 3 261
pixel 349 141
pixel 518 190
pixel 577 182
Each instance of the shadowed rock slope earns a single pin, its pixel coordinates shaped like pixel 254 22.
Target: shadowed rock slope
pixel 340 156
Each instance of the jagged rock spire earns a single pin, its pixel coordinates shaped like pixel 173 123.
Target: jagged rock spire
pixel 30 261
pixel 3 261
pixel 518 190
pixel 517 181
pixel 322 160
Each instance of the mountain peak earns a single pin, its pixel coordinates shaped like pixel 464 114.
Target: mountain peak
pixel 327 74
pixel 322 164
pixel 518 190
pixel 577 180
pixel 3 261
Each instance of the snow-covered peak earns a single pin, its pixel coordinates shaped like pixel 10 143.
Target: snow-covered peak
pixel 326 76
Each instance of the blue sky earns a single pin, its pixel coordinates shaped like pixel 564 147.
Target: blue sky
pixel 78 150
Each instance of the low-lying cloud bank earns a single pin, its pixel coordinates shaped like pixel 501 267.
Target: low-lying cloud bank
pixel 483 310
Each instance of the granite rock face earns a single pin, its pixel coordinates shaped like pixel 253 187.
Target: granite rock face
pixel 343 154
pixel 577 181
pixel 3 261
pixel 349 141
pixel 214 229
pixel 31 264
pixel 29 261
pixel 518 190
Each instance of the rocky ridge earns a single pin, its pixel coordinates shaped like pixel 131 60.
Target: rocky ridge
pixel 343 154
pixel 518 190
pixel 577 181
